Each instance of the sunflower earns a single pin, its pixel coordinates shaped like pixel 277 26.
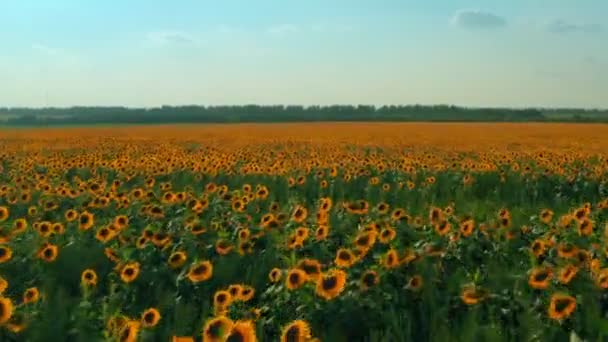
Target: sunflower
pixel 88 277
pixel 266 218
pixel 238 206
pixel 58 228
pixel 296 331
pixel 322 217
pixel 111 255
pixel 293 242
pixel 561 306
pixel 31 295
pixel 566 250
pixel 274 223
pixel 6 309
pixel 275 275
pixel 182 339
pixel 299 214
pixel 44 228
pixel 121 221
pixel 86 220
pixel 546 215
pixel 244 234
pixel 5 254
pixel 4 214
pixel 19 226
pixel 104 234
pixel 602 278
pixel 48 252
pixel 382 208
pixel 397 214
pixel 540 278
pixel 585 227
pixel 505 222
pixel 177 259
pixel 595 265
pixel 221 301
pixel 242 331
pixel 4 238
pixel 129 332
pixel 196 228
pixel 245 247
pixel 161 239
pixel 467 227
pixel 200 271
pixel 331 284
pixel 387 235
pixel 443 227
pixel 369 279
pixel 274 207
pixel 302 233
pixel 415 283
pixel 246 293
pixel 129 272
pixel 295 278
pixel 472 295
pixel 141 242
pixel 262 193
pixel 580 213
pixel 409 256
pixel 344 258
pixel 3 285
pixel 391 259
pixel 435 215
pixel 235 290
pixel 150 318
pixel 156 212
pixel 312 268
pixel 32 211
pixel 567 273
pixel 321 233
pixel 223 247
pixel 365 240
pixel 538 247
pixel 216 329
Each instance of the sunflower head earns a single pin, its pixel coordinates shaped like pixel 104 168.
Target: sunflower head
pixel 295 278
pixel 150 318
pixel 331 284
pixel 296 331
pixel 216 329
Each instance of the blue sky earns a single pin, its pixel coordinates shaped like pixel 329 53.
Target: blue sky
pixel 149 53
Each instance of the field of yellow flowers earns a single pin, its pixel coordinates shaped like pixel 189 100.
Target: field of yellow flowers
pixel 304 232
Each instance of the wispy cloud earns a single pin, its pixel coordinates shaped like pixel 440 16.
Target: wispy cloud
pixel 561 26
pixel 339 28
pixel 56 56
pixel 47 50
pixel 171 37
pixel 477 20
pixel 282 30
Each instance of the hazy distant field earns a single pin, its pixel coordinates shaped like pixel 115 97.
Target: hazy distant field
pixel 297 232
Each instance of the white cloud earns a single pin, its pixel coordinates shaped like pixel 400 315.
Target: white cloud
pixel 339 28
pixel 171 37
pixel 561 26
pixel 282 30
pixel 46 49
pixel 56 55
pixel 477 20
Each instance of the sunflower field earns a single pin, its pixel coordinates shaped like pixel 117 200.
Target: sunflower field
pixel 304 232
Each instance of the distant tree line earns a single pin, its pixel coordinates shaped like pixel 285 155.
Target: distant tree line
pixel 256 113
